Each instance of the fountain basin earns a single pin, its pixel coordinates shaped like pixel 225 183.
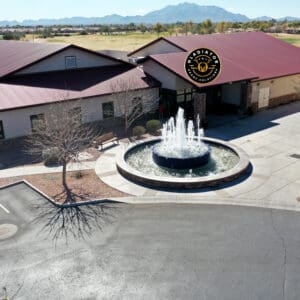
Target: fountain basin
pixel 175 182
pixel 189 161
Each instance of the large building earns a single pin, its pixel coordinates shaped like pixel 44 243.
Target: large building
pixel 258 71
pixel 36 78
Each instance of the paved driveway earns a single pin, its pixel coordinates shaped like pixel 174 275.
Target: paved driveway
pixel 164 251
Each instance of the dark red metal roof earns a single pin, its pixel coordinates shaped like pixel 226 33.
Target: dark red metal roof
pixel 43 88
pixel 16 55
pixel 255 52
pixel 230 70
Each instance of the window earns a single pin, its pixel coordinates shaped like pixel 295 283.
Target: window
pixel 37 121
pixel 2 136
pixel 108 110
pixel 70 62
pixel 180 98
pixel 185 95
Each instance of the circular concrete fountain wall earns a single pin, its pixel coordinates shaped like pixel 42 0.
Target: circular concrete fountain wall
pixel 171 182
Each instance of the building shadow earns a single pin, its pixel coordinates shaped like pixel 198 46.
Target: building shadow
pixel 262 120
pixel 15 154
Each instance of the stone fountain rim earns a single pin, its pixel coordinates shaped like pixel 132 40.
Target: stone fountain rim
pixel 187 183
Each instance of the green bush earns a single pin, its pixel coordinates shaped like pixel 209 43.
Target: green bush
pixel 50 156
pixel 15 35
pixel 138 131
pixel 153 126
pixel 78 174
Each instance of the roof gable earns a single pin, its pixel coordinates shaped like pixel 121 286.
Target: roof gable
pixel 57 62
pixel 257 54
pixel 230 72
pixel 16 56
pixel 162 40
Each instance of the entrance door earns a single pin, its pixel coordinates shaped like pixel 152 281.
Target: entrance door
pixel 263 97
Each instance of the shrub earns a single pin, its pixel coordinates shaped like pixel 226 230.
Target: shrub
pixel 138 131
pixel 153 126
pixel 83 32
pixel 50 156
pixel 15 35
pixel 78 174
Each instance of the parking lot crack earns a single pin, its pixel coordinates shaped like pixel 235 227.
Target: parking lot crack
pixel 284 250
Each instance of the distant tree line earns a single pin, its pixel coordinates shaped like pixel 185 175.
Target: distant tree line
pixel 179 28
pixel 13 35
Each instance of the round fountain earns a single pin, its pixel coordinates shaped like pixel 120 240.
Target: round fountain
pixel 181 147
pixel 182 158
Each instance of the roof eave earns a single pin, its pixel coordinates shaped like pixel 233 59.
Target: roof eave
pixel 72 99
pixel 275 77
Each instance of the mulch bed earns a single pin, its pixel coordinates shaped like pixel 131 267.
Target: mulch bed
pixel 84 185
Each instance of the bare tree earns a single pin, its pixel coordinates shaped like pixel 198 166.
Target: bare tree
pixel 61 130
pixel 132 103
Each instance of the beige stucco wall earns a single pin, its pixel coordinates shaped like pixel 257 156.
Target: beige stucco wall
pixel 168 79
pixel 17 123
pixel 278 87
pixel 57 62
pixel 159 47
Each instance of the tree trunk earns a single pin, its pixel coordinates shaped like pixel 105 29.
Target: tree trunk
pixel 69 196
pixel 64 175
pixel 126 125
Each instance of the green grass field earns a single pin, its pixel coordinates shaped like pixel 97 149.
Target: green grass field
pixel 293 39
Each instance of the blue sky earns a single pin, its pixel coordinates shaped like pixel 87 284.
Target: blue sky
pixel 36 9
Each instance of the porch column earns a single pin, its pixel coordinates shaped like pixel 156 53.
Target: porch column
pixel 200 107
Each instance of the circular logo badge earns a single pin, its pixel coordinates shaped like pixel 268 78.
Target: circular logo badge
pixel 202 65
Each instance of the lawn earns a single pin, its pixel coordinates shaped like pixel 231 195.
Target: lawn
pixel 125 42
pixel 293 39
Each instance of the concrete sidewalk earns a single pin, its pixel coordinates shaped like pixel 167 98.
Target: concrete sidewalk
pixel 272 141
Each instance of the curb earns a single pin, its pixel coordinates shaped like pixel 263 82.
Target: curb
pixel 68 205
pixel 178 199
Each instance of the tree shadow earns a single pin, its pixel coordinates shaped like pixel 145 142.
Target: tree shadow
pixel 72 195
pixel 77 222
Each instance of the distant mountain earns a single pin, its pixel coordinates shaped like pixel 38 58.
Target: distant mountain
pixel 262 18
pixel 183 12
pixel 266 18
pixel 288 18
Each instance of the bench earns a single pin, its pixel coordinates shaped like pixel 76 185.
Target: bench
pixel 105 139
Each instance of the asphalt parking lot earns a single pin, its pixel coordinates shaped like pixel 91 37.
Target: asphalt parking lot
pixel 163 251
